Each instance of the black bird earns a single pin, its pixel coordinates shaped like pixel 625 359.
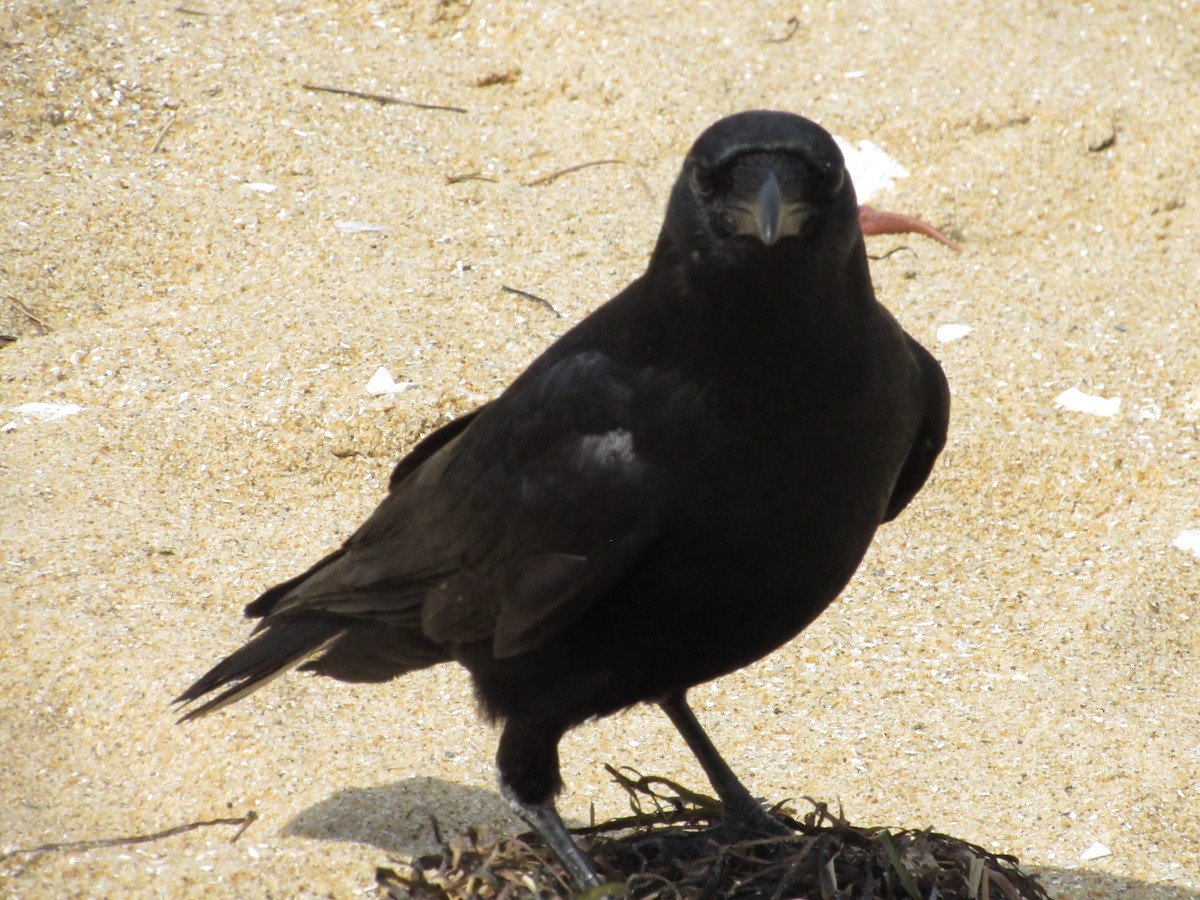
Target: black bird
pixel 675 488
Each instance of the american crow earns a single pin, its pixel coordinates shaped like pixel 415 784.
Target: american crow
pixel 675 488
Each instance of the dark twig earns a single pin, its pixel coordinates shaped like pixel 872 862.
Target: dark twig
pixel 534 297
pixel 384 99
pixel 794 24
pixel 247 820
pixel 892 252
pixel 470 176
pixel 554 176
pixel 243 821
pixel 20 307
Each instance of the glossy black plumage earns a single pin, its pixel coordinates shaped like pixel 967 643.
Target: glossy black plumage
pixel 674 489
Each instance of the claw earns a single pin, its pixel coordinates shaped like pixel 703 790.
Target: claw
pixel 874 221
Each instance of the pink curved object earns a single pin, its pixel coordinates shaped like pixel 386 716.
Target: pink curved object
pixel 874 221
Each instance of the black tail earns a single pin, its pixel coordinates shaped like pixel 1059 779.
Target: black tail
pixel 268 654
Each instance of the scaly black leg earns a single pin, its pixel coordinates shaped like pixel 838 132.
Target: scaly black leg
pixel 527 763
pixel 546 821
pixel 742 811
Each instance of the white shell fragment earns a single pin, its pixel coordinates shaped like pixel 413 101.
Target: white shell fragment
pixel 350 226
pixel 383 383
pixel 1188 539
pixel 948 333
pixel 45 412
pixel 262 187
pixel 1075 400
pixel 1095 850
pixel 870 168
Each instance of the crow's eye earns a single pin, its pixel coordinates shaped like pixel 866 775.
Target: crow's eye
pixel 703 182
pixel 831 178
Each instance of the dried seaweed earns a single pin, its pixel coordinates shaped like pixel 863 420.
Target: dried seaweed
pixel 670 848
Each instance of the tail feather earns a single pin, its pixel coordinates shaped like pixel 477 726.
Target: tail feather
pixel 265 603
pixel 267 655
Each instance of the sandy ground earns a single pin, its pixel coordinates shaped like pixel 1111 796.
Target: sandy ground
pixel 1017 662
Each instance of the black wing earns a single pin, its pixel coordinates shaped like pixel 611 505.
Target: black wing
pixel 424 448
pixel 505 528
pixel 510 528
pixel 931 436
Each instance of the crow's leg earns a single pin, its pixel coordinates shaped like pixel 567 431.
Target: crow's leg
pixel 546 821
pixel 527 764
pixel 741 810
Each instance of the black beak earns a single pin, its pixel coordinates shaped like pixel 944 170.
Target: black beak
pixel 768 210
pixel 768 215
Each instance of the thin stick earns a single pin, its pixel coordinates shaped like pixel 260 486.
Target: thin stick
pixel 22 308
pixel 244 821
pixel 554 176
pixel 385 99
pixel 795 26
pixel 892 252
pixel 470 176
pixel 163 133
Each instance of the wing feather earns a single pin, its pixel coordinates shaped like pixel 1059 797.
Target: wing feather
pixel 508 528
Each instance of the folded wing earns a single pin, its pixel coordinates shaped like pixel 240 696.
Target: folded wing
pixel 503 529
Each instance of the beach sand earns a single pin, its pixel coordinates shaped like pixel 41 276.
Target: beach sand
pixel 1017 661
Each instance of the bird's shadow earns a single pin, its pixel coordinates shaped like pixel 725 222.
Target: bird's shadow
pixel 397 818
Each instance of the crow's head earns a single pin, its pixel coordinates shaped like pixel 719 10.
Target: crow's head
pixel 758 182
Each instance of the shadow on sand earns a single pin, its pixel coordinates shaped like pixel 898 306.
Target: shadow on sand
pixel 396 818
